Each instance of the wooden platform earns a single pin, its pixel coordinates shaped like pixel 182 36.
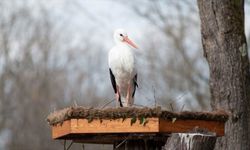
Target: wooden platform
pixel 159 126
pixel 100 129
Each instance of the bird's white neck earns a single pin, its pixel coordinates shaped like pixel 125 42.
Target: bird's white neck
pixel 122 44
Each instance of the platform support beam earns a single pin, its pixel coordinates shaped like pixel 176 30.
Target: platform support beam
pixel 138 145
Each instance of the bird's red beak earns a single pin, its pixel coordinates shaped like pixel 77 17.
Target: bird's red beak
pixel 126 39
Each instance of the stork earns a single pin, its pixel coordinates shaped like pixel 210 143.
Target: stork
pixel 122 68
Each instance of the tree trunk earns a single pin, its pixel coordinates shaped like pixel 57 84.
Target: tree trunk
pixel 190 141
pixel 225 48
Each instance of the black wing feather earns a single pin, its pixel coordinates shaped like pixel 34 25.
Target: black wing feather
pixel 112 78
pixel 135 85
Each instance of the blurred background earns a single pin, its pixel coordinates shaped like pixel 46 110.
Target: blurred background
pixel 54 54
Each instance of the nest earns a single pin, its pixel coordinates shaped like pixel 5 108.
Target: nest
pixel 79 112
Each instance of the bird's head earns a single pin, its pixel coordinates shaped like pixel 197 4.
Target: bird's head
pixel 121 36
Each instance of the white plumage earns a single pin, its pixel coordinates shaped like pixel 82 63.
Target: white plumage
pixel 122 67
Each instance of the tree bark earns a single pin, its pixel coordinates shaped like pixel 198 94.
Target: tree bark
pixel 225 48
pixel 190 141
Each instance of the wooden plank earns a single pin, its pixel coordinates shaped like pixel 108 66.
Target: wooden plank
pixel 105 126
pixel 183 126
pixel 119 126
pixel 60 130
pixel 114 126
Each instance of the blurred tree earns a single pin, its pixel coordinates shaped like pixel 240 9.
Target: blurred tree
pixel 34 77
pixel 175 61
pixel 27 79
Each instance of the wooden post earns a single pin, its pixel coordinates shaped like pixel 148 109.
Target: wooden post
pixel 190 141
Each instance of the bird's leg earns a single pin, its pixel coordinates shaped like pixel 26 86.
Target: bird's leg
pixel 117 96
pixel 128 95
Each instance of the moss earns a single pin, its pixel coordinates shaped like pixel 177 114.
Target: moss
pixel 130 112
pixel 243 50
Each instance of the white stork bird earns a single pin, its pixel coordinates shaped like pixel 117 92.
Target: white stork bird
pixel 122 68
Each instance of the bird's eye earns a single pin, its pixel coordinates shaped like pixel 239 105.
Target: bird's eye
pixel 121 35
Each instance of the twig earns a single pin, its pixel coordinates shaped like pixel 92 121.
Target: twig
pixel 139 105
pixel 177 99
pixel 171 106
pixel 154 96
pixel 182 107
pixel 117 146
pixel 107 103
pixel 75 103
pixel 70 145
pixel 64 144
pixel 181 96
